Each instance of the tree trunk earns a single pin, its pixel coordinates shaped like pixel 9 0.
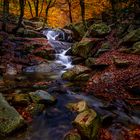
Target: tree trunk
pixel 30 9
pixel 49 5
pixel 41 8
pixel 70 14
pixel 36 5
pixel 22 4
pixel 82 5
pixel 5 13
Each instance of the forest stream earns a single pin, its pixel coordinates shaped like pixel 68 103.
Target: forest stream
pixel 56 119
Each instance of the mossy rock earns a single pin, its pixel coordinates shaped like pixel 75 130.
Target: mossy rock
pixel 88 124
pixel 35 109
pixel 78 30
pixel 84 48
pixel 135 49
pixel 98 30
pixel 75 71
pixel 90 61
pixel 131 37
pixel 82 77
pixel 10 119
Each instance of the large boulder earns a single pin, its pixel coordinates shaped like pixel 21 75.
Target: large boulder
pixel 85 48
pixel 10 119
pixel 75 71
pixel 78 30
pixel 98 30
pixel 88 124
pixel 130 38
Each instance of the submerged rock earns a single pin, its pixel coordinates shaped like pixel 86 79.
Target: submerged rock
pixel 79 107
pixel 41 96
pixel 10 119
pixel 72 135
pixel 88 124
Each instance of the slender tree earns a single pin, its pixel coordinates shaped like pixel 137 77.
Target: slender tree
pixel 41 8
pixel 22 5
pixel 5 13
pixel 36 5
pixel 30 7
pixel 82 5
pixel 70 13
pixel 50 3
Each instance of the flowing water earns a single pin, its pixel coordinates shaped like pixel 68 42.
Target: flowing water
pixel 56 120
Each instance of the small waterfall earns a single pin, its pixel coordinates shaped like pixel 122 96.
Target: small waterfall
pixel 60 47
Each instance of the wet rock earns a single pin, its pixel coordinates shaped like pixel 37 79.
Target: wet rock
pixel 46 52
pixel 44 67
pixel 1 83
pixel 72 135
pixel 75 71
pixel 77 60
pixel 82 77
pixel 98 30
pixel 41 96
pixel 88 124
pixel 131 37
pixel 21 99
pixel 35 109
pixel 78 107
pixel 11 70
pixel 84 48
pixel 10 119
pixel 2 69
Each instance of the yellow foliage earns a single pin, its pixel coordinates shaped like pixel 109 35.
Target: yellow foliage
pixel 58 15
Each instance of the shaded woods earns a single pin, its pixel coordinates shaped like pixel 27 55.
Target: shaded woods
pixel 69 69
pixel 66 11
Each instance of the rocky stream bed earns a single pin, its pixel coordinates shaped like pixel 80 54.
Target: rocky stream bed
pixel 55 89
